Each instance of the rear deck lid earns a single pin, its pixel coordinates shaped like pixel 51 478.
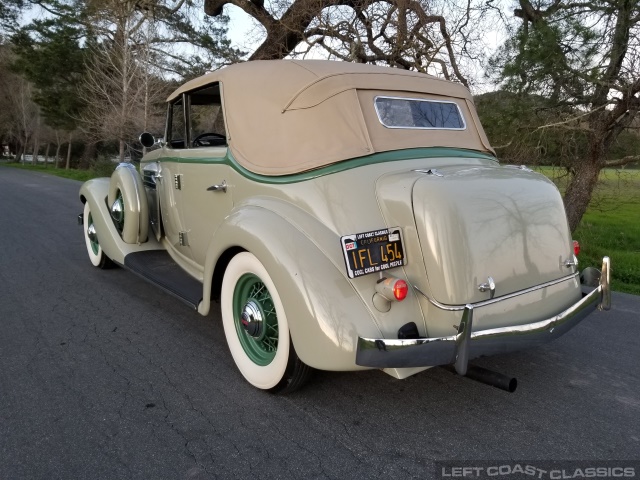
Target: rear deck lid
pixel 473 223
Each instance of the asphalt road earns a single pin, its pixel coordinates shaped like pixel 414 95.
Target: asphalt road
pixel 102 376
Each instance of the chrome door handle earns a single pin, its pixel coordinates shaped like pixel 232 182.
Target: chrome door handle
pixel 218 188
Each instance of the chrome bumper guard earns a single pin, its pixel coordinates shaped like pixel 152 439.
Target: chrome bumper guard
pixel 458 349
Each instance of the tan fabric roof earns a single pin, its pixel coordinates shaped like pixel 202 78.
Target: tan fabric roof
pixel 288 116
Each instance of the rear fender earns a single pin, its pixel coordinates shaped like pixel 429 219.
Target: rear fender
pixel 324 311
pixel 95 192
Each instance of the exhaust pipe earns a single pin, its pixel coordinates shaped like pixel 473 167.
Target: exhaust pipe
pixel 489 377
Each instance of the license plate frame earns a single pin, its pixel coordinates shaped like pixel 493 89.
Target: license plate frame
pixel 372 252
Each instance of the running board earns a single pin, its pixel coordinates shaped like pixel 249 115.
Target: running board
pixel 158 268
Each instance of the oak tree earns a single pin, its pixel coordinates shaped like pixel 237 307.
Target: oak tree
pixel 409 34
pixel 583 57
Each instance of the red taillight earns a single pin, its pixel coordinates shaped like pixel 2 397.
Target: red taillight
pixel 392 288
pixel 576 248
pixel 400 290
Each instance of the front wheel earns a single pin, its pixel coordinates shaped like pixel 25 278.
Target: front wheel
pixel 96 255
pixel 256 328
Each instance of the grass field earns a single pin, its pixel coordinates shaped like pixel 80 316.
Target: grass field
pixel 82 175
pixel 610 227
pixel 101 168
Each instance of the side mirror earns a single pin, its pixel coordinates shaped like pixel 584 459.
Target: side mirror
pixel 147 140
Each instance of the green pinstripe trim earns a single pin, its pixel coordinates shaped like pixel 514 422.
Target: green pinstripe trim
pixel 392 156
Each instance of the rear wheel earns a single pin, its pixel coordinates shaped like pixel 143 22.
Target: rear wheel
pixel 256 328
pixel 96 255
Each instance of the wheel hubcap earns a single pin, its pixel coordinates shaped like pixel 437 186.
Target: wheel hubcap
pixel 117 212
pixel 255 319
pixel 251 319
pixel 92 235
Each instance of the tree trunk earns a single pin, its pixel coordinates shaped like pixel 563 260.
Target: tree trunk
pixel 88 155
pixel 13 147
pixel 284 35
pixel 46 154
pixel 277 45
pixel 122 145
pixel 19 152
pixel 36 150
pixel 25 146
pixel 58 148
pixel 580 189
pixel 68 155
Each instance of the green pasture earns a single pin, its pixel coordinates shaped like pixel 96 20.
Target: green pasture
pixel 610 227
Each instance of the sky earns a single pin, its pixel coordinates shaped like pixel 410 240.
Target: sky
pixel 240 29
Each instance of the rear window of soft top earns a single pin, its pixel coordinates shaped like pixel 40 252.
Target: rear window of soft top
pixel 417 113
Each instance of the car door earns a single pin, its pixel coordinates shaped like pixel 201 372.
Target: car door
pixel 205 193
pixel 168 181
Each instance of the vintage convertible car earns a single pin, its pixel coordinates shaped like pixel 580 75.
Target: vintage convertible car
pixel 346 217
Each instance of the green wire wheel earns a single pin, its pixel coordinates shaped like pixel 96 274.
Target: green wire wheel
pixel 255 319
pixel 256 327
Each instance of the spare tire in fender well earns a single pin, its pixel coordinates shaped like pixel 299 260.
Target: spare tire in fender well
pixel 126 184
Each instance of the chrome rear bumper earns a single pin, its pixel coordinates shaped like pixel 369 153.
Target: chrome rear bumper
pixel 466 344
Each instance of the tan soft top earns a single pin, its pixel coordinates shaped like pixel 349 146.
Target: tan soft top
pixel 288 116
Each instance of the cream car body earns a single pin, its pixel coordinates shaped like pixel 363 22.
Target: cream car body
pixel 301 156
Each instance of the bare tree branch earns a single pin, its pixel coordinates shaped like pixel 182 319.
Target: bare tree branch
pixel 622 161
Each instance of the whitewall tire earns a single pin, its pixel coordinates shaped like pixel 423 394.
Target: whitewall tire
pixel 256 327
pixel 96 255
